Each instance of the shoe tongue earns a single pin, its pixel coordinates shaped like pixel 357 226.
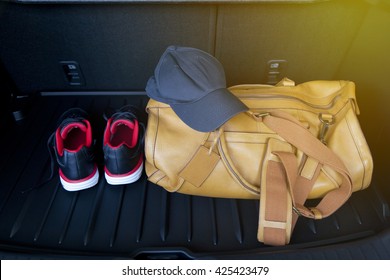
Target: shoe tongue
pixel 68 127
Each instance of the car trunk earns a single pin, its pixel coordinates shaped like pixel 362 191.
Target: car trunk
pixel 115 48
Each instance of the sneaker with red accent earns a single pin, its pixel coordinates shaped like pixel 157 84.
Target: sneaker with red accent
pixel 73 146
pixel 123 147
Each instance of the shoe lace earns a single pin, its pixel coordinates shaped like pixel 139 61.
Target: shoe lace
pixel 130 112
pixel 71 118
pixel 52 154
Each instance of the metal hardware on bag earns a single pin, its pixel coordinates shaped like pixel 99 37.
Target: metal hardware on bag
pixel 296 211
pixel 316 214
pixel 259 116
pixel 326 123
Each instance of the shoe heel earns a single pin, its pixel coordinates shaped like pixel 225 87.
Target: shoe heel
pixel 124 179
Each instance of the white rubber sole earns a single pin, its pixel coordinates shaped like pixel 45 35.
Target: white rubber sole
pixel 127 179
pixel 78 186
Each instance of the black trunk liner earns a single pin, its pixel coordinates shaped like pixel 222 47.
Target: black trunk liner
pixel 140 220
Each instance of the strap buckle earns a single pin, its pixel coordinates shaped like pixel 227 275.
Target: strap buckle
pixel 317 215
pixel 326 120
pixel 296 210
pixel 258 116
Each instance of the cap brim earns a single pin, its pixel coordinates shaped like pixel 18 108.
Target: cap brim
pixel 211 111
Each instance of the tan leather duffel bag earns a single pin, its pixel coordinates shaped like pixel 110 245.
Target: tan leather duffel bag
pixel 296 142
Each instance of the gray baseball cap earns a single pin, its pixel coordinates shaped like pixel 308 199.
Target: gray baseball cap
pixel 193 83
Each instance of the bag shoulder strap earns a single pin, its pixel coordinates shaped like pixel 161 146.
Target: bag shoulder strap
pixel 283 189
pixel 282 178
pixel 301 138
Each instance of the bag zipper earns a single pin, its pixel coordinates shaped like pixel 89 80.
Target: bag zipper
pixel 327 106
pixel 234 173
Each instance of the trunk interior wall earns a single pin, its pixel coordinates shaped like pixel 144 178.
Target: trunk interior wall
pixel 312 38
pixel 368 64
pixel 117 46
pixel 4 98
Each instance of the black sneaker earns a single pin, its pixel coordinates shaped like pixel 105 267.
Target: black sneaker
pixel 72 143
pixel 123 147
